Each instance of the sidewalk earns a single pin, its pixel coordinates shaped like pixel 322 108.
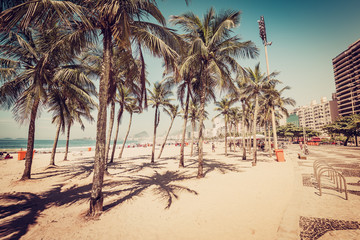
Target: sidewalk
pixel 329 216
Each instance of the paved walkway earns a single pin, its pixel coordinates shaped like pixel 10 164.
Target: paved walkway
pixel 329 216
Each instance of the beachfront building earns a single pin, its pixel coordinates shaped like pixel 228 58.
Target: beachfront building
pixel 293 119
pixel 347 79
pixel 218 127
pixel 315 115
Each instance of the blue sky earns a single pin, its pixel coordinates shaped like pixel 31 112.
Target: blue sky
pixel 306 35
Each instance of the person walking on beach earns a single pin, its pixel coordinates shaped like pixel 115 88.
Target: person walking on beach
pixel 213 147
pixel 301 146
pixel 306 150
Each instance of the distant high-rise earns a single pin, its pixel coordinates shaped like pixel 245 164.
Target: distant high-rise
pixel 316 115
pixel 347 80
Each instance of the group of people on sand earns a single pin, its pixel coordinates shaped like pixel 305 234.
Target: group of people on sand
pixel 5 155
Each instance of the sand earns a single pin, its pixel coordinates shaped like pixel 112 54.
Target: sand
pixel 162 201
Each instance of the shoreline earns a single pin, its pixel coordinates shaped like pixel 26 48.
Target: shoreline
pixel 273 200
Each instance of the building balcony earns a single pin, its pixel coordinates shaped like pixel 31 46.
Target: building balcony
pixel 341 65
pixel 343 80
pixel 345 94
pixel 341 72
pixel 356 61
pixel 338 60
pixel 344 66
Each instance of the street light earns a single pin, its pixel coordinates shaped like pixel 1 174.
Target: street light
pixel 262 30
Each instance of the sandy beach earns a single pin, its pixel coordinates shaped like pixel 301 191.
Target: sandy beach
pixel 273 200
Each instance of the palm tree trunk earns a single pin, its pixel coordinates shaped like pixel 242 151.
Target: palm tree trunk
pixel 192 137
pixel 226 144
pixel 182 147
pixel 274 127
pixel 230 136
pixel 30 144
pixel 67 142
pixel 154 137
pixel 250 140
pixel 111 124
pixel 269 140
pixel 201 126
pixel 97 198
pixel 121 110
pixel 265 134
pixel 243 132
pixel 167 134
pixel 126 136
pixel 254 131
pixel 234 136
pixel 53 152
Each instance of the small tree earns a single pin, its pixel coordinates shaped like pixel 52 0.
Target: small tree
pixel 159 97
pixel 224 107
pixel 173 111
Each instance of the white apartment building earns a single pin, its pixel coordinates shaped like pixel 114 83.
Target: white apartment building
pixel 314 116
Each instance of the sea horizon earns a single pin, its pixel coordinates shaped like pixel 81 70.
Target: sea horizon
pixel 44 145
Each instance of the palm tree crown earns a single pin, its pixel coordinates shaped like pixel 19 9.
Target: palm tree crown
pixel 214 51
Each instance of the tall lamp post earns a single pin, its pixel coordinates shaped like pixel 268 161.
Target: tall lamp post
pixel 265 42
pixel 262 30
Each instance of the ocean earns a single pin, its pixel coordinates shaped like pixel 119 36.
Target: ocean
pixel 46 145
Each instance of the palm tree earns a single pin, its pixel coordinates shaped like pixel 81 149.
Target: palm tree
pixel 213 50
pixel 276 101
pixel 159 97
pixel 8 4
pixel 265 117
pixel 121 21
pixel 194 117
pixel 224 107
pixel 173 111
pixel 257 82
pixel 181 92
pixel 124 97
pixel 75 114
pixel 131 108
pixel 30 59
pixel 184 91
pixel 235 116
pixel 244 99
pixel 69 99
pixel 250 107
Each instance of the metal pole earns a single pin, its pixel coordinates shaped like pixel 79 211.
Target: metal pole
pixel 267 61
pixel 266 43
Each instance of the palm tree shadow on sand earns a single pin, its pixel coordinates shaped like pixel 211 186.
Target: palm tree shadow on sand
pixel 211 165
pixel 132 165
pixel 82 169
pixel 161 184
pixel 20 210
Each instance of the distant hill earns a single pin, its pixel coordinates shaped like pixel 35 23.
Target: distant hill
pixel 142 134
